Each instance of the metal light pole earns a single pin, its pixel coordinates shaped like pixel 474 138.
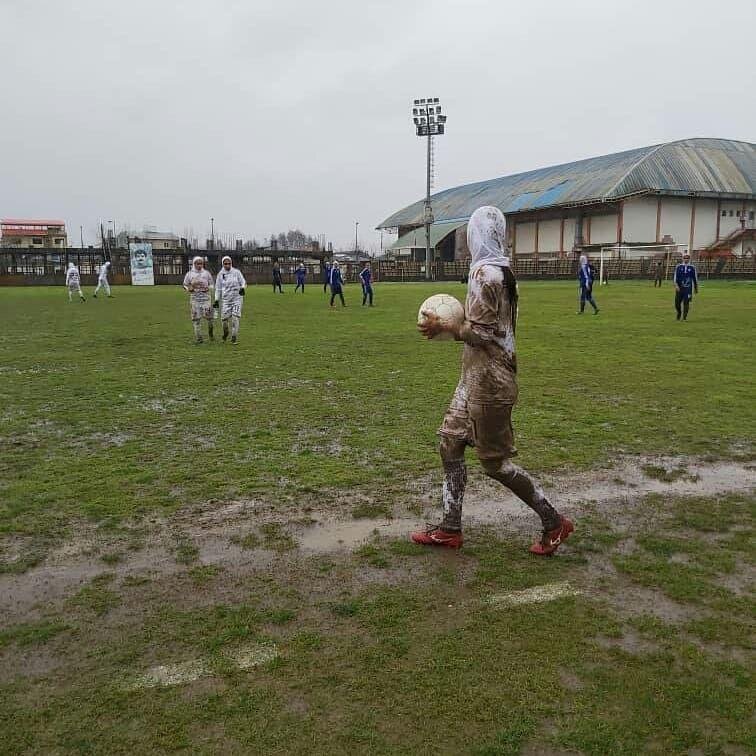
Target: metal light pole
pixel 356 224
pixel 429 122
pixel 81 238
pixel 212 233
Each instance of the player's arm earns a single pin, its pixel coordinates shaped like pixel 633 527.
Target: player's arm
pixel 482 319
pixel 695 279
pixel 242 284
pixel 187 283
pixel 677 278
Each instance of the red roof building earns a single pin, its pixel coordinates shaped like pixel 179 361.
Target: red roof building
pixel 33 233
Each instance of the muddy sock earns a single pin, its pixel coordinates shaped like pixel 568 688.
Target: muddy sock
pixel 523 486
pixel 234 326
pixel 455 481
pixel 196 324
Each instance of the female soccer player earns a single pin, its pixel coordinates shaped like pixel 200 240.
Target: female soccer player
pixel 73 283
pixel 480 413
pixel 198 283
pixel 337 285
pixel 229 289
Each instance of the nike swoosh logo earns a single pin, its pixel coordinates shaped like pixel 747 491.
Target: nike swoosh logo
pixel 556 541
pixel 440 539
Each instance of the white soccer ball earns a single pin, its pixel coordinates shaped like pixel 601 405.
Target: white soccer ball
pixel 449 310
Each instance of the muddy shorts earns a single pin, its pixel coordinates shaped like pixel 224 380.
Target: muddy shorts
pixel 201 306
pixel 231 307
pixel 486 427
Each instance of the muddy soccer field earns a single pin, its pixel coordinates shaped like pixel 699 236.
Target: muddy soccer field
pixel 203 548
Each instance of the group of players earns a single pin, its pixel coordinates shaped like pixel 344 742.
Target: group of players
pixel 480 412
pixel 73 282
pixel 333 280
pixel 685 279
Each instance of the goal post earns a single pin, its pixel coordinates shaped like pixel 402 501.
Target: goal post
pixel 668 252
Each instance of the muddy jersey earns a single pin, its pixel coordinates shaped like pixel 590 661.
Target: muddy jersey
pixel 73 280
pixel 489 363
pixel 200 282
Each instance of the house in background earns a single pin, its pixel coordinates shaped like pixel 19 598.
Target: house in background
pixel 24 233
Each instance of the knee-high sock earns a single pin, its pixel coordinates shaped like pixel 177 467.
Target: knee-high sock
pixel 225 327
pixel 197 325
pixel 234 326
pixel 453 493
pixel 686 307
pixel 210 327
pixel 520 483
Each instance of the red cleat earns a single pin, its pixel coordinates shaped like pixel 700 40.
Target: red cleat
pixel 435 535
pixel 552 539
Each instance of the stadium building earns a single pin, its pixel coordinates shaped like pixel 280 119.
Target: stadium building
pixel 697 194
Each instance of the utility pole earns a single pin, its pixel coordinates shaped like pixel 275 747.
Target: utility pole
pixel 356 224
pixel 212 233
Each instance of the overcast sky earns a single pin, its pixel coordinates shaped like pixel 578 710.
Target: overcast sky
pixel 271 114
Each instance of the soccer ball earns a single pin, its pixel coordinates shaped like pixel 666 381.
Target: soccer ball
pixel 448 309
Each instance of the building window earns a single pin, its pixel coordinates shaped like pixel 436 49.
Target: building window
pixel 750 215
pixel 730 213
pixel 737 213
pixel 724 213
pixel 36 240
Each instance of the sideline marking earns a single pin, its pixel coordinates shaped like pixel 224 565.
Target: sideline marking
pixel 246 657
pixel 535 595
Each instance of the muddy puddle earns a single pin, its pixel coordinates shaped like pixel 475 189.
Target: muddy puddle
pixel 216 532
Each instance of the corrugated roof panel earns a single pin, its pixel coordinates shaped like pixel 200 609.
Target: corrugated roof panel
pixel 416 237
pixel 700 166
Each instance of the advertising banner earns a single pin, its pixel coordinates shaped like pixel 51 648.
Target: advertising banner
pixel 141 264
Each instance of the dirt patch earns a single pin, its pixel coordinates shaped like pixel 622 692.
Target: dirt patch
pixel 630 643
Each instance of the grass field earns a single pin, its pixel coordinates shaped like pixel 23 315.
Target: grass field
pixel 157 497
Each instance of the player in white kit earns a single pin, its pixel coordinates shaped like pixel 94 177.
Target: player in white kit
pixel 102 279
pixel 73 282
pixel 229 289
pixel 198 283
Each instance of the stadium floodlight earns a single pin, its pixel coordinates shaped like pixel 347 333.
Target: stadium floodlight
pixel 429 120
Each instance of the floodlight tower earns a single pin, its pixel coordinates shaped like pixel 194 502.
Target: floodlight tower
pixel 429 122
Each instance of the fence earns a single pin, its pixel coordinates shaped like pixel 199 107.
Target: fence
pixel 47 267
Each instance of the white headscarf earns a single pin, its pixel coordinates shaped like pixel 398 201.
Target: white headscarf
pixel 201 259
pixel 71 265
pixel 226 257
pixel 583 260
pixel 486 238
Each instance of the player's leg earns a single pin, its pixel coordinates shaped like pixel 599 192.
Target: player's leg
pixel 341 297
pixel 456 435
pixel 97 288
pixel 370 295
pixel 592 302
pixel 197 326
pixel 582 299
pixel 209 318
pixel 70 294
pixel 494 444
pixel 106 286
pixel 685 307
pixel 678 302
pixel 333 297
pixel 82 298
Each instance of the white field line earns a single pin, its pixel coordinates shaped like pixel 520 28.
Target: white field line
pixel 246 657
pixel 536 595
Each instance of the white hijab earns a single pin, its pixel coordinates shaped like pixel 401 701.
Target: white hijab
pixel 486 238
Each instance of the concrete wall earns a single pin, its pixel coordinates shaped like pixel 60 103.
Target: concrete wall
pixel 525 238
pixel 705 231
pixel 604 229
pixel 569 234
pixel 639 220
pixel 548 236
pixel 675 219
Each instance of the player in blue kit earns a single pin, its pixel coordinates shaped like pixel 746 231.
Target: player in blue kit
pixel 586 275
pixel 366 276
pixel 686 281
pixel 301 273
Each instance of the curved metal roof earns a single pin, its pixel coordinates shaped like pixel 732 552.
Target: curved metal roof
pixel 703 167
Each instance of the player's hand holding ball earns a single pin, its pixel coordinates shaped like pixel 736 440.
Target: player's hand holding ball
pixel 440 317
